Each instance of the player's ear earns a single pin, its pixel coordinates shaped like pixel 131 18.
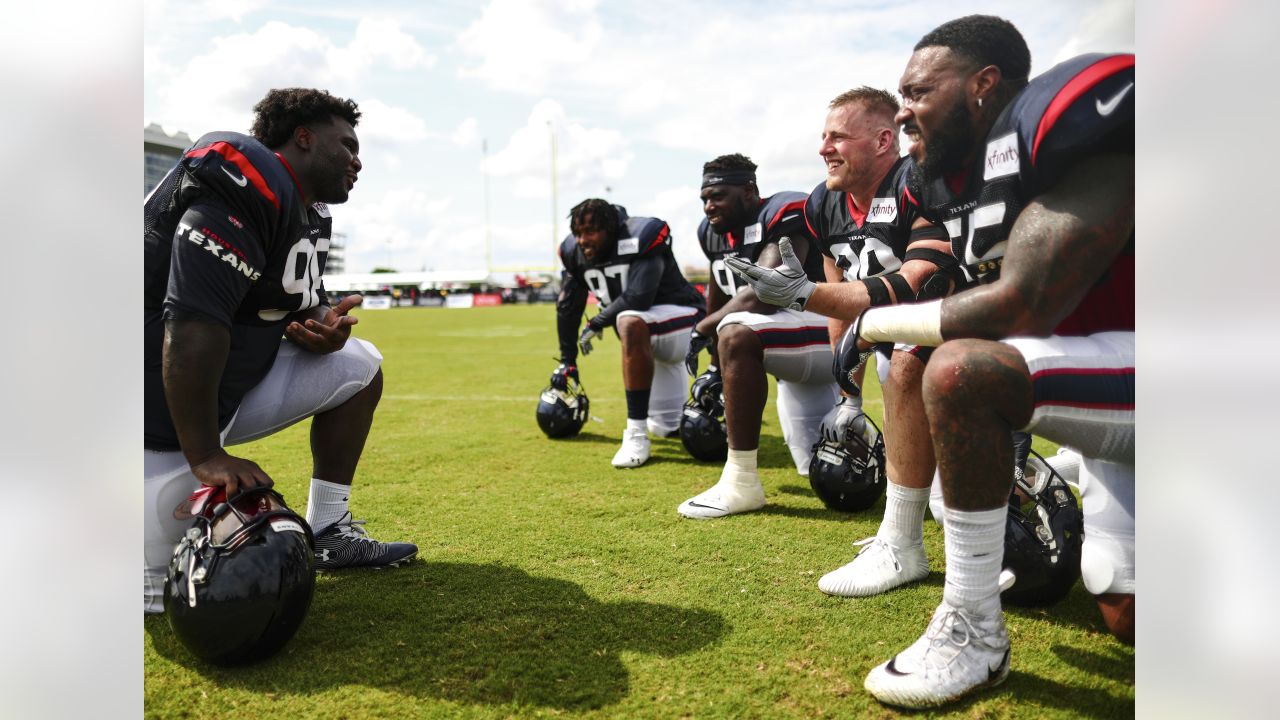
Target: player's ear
pixel 982 85
pixel 886 139
pixel 303 137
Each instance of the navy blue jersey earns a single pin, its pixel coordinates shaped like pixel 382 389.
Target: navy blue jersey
pixel 636 274
pixel 227 239
pixel 864 242
pixel 780 215
pixel 1080 107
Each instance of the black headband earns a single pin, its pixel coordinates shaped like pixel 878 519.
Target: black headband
pixel 728 177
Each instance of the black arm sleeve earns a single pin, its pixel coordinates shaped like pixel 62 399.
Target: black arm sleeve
pixel 569 307
pixel 643 279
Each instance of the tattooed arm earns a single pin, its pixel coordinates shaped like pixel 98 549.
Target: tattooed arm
pixel 1059 247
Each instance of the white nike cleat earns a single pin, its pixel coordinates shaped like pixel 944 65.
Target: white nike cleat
pixel 958 654
pixel 634 451
pixel 724 499
pixel 877 567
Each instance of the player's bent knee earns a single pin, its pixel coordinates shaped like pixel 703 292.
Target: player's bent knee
pixel 1106 564
pixel 632 331
pixel 363 359
pixel 736 341
pixel 1117 613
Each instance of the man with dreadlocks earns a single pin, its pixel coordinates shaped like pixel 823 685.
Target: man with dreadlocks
pixel 627 263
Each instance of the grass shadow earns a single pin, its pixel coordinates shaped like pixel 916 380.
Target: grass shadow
pixel 468 633
pixel 1079 608
pixel 1030 692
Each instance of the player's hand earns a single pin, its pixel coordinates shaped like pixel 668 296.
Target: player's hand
pixel 233 473
pixel 785 286
pixel 843 422
pixel 584 340
pixel 851 354
pixel 329 334
pixel 697 343
pixel 562 374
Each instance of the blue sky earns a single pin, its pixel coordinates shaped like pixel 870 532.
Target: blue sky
pixel 638 96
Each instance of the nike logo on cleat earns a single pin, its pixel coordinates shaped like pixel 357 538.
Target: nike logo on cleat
pixel 994 673
pixel 709 507
pixel 1106 108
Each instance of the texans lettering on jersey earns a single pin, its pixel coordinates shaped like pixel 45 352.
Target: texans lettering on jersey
pixel 227 237
pixel 864 242
pixel 780 215
pixel 1082 106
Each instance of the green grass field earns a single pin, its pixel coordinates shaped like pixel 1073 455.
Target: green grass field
pixel 550 584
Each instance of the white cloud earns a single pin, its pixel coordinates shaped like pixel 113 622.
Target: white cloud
pixel 467 133
pixel 520 45
pixel 383 122
pixel 216 90
pixel 382 42
pixel 587 159
pixel 1109 27
pixel 393 227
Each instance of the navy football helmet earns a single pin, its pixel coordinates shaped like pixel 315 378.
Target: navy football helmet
pixel 563 406
pixel 1042 538
pixel 240 582
pixel 849 476
pixel 702 429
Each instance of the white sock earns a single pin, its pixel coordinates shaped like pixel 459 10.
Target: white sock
pixel 740 469
pixel 904 508
pixel 326 504
pixel 641 425
pixel 742 460
pixel 974 543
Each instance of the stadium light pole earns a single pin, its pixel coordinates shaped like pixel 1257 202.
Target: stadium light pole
pixel 555 213
pixel 484 171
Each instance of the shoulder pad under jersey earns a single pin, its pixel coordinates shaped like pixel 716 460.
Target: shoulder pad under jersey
pixel 242 171
pixel 647 235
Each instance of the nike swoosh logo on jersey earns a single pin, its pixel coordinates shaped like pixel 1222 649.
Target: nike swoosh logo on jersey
pixel 239 180
pixel 1106 108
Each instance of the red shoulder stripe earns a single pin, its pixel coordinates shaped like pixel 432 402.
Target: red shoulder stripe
pixel 808 224
pixel 906 192
pixel 662 236
pixel 234 156
pixel 1077 86
pixel 793 205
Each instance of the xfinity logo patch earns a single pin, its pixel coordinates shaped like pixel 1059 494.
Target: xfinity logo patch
pixel 628 245
pixel 883 210
pixel 1002 157
pixel 751 235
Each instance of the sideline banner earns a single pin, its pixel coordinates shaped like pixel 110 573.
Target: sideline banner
pixel 376 302
pixel 460 300
pixel 487 299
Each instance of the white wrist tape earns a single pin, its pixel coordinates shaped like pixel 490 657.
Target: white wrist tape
pixel 915 324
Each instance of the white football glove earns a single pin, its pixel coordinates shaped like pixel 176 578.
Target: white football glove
pixel 785 286
pixel 843 421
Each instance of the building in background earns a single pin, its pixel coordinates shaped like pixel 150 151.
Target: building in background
pixel 336 262
pixel 160 151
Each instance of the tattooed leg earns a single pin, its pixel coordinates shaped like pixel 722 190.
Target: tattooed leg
pixel 975 393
